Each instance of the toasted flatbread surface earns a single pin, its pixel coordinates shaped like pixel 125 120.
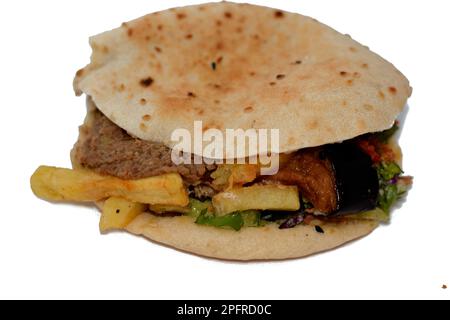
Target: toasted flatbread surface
pixel 261 243
pixel 240 66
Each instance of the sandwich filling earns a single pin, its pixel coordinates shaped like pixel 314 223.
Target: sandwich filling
pixel 334 181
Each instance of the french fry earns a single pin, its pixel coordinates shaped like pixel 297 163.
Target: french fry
pixel 160 209
pixel 117 213
pixel 227 176
pixel 58 184
pixel 260 197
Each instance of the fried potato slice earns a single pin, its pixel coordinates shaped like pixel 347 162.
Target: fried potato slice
pixel 258 197
pixel 58 184
pixel 227 176
pixel 117 213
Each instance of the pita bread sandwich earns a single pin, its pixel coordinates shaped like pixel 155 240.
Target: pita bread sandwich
pixel 333 102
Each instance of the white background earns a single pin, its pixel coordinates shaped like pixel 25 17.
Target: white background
pixel 56 251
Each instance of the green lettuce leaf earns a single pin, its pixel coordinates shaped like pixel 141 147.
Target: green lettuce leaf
pixel 388 171
pixel 233 220
pixel 197 207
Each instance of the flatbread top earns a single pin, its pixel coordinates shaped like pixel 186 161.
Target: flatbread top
pixel 240 66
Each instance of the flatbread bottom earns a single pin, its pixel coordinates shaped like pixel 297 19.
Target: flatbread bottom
pixel 262 243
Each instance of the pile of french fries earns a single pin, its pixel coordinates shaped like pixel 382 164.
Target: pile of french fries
pixel 124 200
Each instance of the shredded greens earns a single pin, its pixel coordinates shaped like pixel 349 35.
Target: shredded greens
pixel 388 171
pixel 232 220
pixel 235 220
pixel 390 189
pixel 389 174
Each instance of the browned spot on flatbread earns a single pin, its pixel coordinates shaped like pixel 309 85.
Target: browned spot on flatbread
pixel 143 127
pixel 312 124
pixel 393 90
pixel 146 82
pixel 248 109
pixel 146 117
pixel 278 14
pixel 381 95
pixel 143 102
pixel 368 107
pixel 219 45
pixel 206 127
